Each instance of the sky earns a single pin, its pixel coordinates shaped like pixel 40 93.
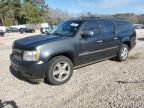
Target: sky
pixel 99 6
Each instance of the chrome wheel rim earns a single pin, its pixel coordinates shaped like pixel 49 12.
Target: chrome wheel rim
pixel 61 71
pixel 124 53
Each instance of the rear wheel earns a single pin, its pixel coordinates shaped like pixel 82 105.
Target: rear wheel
pixel 123 54
pixel 60 70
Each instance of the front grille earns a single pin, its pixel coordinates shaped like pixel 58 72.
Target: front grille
pixel 17 54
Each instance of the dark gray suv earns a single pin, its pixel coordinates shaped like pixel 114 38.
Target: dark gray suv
pixel 71 45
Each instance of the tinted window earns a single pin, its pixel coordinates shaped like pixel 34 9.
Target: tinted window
pixel 108 27
pixel 123 26
pixel 92 26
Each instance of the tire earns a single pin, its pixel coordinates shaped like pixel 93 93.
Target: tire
pixel 60 70
pixel 123 53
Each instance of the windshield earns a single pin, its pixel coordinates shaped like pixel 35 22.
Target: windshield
pixel 66 28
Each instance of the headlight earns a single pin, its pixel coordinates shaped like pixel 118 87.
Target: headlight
pixel 31 55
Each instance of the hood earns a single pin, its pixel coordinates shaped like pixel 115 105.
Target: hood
pixel 35 41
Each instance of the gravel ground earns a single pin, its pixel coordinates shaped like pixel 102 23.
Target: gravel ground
pixel 107 84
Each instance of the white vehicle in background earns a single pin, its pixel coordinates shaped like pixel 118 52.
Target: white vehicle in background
pixel 139 26
pixel 16 28
pixel 3 29
pixel 45 28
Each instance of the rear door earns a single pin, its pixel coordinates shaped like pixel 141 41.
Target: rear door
pixel 111 41
pixel 90 48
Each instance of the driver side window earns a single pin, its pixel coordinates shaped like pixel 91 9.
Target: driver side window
pixel 92 26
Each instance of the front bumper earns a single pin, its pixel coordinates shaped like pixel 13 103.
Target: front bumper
pixel 33 71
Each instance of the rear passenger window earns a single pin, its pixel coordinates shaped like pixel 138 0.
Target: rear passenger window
pixel 108 27
pixel 92 26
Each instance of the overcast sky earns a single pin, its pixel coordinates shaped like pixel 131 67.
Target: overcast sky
pixel 99 6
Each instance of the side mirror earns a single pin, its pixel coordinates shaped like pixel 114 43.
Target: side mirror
pixel 87 33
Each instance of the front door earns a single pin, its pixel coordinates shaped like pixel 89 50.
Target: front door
pixel 91 47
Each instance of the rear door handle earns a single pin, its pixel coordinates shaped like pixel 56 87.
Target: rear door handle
pixel 100 41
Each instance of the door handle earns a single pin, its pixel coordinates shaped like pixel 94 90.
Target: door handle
pixel 116 38
pixel 100 41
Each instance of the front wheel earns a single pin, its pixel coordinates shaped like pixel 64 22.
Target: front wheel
pixel 60 70
pixel 123 54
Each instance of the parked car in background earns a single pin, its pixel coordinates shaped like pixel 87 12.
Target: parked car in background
pixel 45 30
pixel 15 28
pixel 18 26
pixel 3 29
pixel 26 30
pixel 71 45
pixel 139 26
pixel 12 29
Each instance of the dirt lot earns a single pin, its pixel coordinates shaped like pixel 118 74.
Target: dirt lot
pixel 107 84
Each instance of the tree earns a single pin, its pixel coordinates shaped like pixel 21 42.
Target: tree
pixel 18 12
pixel 30 13
pixel 9 11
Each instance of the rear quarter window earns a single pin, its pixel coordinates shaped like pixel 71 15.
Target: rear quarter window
pixel 123 26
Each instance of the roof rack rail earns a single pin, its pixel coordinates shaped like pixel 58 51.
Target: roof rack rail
pixel 120 18
pixel 92 17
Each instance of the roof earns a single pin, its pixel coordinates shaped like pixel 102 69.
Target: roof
pixel 98 19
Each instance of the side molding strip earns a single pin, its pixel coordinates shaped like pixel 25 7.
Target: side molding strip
pixel 86 53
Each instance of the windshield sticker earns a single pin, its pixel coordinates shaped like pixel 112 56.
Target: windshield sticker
pixel 74 24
